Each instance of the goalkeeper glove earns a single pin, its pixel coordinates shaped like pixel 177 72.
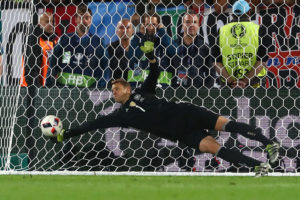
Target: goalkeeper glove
pixel 148 49
pixel 59 138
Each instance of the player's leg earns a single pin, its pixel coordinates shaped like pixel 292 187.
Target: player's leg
pixel 210 145
pixel 224 124
pixel 211 120
pixel 201 118
pixel 254 133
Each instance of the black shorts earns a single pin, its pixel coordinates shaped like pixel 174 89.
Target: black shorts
pixel 197 121
pixel 193 139
pixel 186 122
pixel 197 117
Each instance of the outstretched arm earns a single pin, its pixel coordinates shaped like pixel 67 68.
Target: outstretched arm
pixel 111 120
pixel 149 84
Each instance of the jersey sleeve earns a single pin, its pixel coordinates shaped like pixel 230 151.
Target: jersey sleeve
pixel 111 120
pixel 149 84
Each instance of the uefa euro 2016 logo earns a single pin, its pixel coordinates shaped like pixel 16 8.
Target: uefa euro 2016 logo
pixel 238 31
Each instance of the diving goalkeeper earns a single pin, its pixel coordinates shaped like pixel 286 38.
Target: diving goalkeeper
pixel 184 122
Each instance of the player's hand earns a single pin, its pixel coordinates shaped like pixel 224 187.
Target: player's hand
pixel 238 84
pixel 148 49
pixel 59 138
pixel 246 80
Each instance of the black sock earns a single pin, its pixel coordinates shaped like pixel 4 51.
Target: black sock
pixel 237 157
pixel 247 131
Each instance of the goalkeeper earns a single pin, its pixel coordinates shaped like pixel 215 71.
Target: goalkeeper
pixel 184 122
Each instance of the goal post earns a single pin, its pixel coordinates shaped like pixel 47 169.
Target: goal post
pixel 23 148
pixel 15 18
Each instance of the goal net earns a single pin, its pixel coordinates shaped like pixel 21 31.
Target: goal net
pixel 72 82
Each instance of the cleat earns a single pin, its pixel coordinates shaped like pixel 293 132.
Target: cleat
pixel 273 152
pixel 262 170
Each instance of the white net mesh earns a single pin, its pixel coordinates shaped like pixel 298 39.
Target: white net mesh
pixel 72 82
pixel 14 20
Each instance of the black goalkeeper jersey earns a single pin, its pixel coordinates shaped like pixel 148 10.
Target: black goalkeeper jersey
pixel 146 112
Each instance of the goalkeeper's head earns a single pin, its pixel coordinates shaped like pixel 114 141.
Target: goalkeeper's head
pixel 121 90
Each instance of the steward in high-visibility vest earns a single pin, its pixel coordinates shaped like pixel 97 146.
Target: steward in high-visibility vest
pixel 39 49
pixel 240 55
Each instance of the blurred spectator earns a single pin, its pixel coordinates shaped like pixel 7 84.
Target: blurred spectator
pixel 241 51
pixel 140 10
pixel 221 5
pixel 140 7
pixel 152 30
pixel 67 2
pixel 40 45
pixel 136 21
pixel 79 59
pixel 192 62
pixel 197 7
pixel 120 52
pixel 287 2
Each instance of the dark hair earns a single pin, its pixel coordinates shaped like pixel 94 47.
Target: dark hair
pixel 121 81
pixel 190 12
pixel 140 8
pixel 82 9
pixel 242 17
pixel 148 15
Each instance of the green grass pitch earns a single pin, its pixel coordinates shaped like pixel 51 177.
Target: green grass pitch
pixel 45 187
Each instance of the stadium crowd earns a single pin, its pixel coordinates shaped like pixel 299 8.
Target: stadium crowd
pixel 187 57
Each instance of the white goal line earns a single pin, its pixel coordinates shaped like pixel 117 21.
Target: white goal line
pixel 98 173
